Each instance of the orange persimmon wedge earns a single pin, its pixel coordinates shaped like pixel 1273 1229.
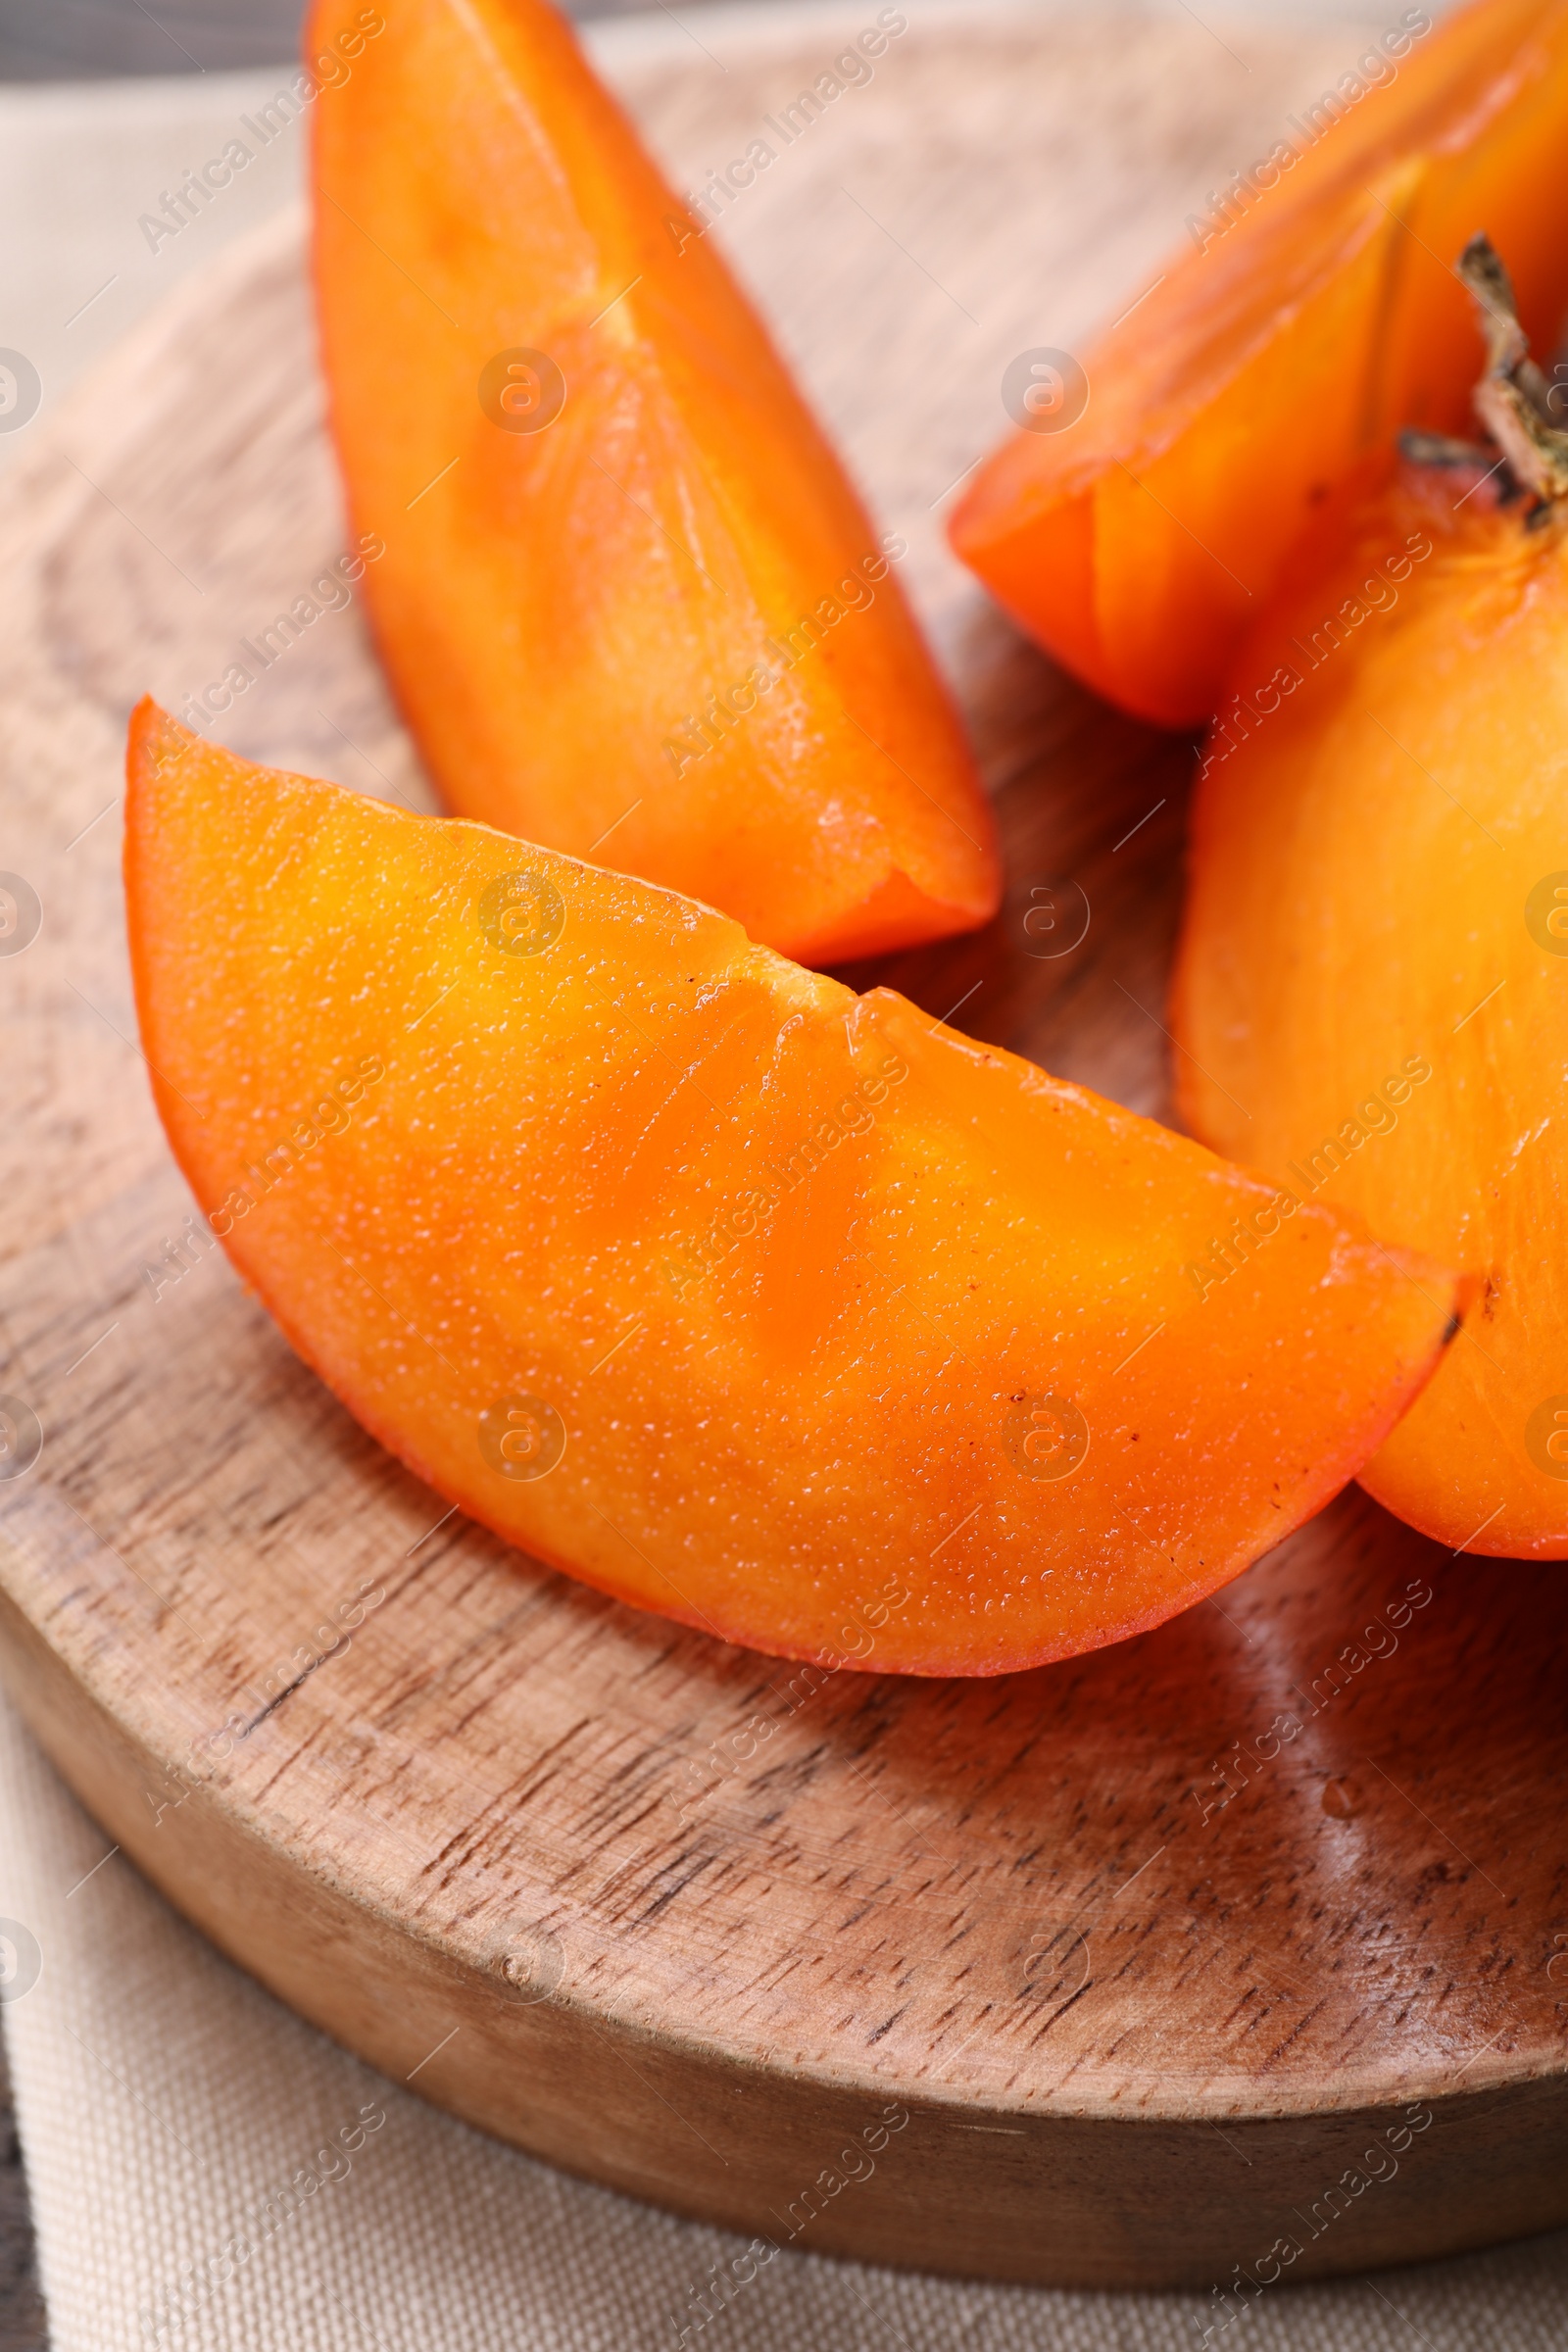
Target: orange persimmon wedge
pixel 786 1312
pixel 628 595
pixel 1275 352
pixel 1373 983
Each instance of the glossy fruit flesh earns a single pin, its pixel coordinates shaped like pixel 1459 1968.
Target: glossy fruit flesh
pixel 1373 985
pixel 1141 543
pixel 629 598
pixel 814 1315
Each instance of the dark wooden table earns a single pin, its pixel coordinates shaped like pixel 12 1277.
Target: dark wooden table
pixel 71 40
pixel 23 2326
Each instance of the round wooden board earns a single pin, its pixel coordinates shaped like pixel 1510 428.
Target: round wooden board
pixel 1254 1928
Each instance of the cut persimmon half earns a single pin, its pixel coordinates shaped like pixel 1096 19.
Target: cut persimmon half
pixel 777 1310
pixel 1374 959
pixel 628 595
pixel 1311 315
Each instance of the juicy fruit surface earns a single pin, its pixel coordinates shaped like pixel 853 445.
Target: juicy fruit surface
pixel 1141 543
pixel 817 1319
pixel 663 616
pixel 1375 962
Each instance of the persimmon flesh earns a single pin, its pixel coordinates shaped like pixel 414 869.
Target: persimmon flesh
pixel 1373 983
pixel 784 1312
pixel 1289 340
pixel 628 597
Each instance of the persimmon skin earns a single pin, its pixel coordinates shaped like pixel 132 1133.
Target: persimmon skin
pixel 1140 545
pixel 663 619
pixel 1362 867
pixel 794 1270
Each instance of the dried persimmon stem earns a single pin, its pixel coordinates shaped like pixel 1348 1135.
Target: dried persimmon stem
pixel 1511 395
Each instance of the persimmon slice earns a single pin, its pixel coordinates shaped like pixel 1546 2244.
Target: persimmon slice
pixel 628 595
pixel 1311 315
pixel 787 1313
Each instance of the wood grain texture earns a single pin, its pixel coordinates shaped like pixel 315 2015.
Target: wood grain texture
pixel 1148 1972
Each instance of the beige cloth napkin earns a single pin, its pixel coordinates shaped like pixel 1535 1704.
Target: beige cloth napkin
pixel 166 2104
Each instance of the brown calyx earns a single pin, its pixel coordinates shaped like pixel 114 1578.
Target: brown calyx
pixel 1512 398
